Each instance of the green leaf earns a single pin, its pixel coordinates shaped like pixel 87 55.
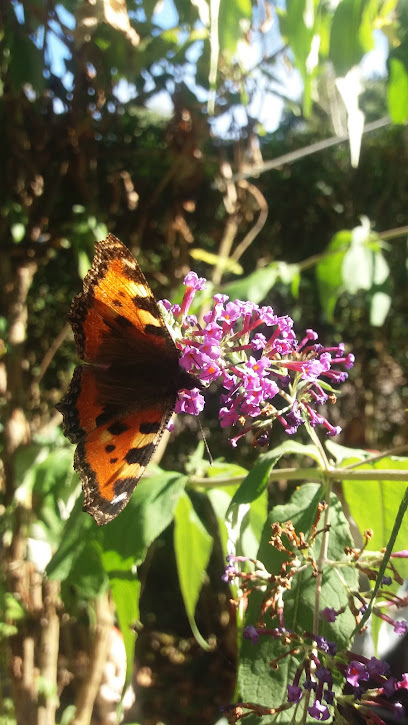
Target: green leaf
pixel 233 22
pixel 387 554
pixel 193 546
pixel 26 64
pixel 381 269
pixel 257 681
pixel 397 89
pixel 225 263
pixel 351 33
pixel 84 262
pixel 253 525
pixel 374 505
pixel 151 508
pixel 257 479
pixel 354 262
pixel 329 272
pixel 78 529
pixel 126 594
pixel 227 470
pixel 86 574
pixel 220 500
pixel 363 260
pixel 149 511
pixel 54 478
pixel 380 307
pixel 343 453
pixel 150 7
pixel 300 27
pixel 256 286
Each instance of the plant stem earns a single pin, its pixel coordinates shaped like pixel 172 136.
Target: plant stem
pixel 322 558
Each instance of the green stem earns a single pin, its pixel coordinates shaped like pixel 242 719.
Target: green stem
pixel 322 558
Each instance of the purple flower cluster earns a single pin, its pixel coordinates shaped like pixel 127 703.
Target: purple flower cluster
pixel 320 682
pixel 360 671
pixel 267 374
pixel 370 680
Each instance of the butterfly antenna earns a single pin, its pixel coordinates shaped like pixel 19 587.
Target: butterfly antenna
pixel 211 459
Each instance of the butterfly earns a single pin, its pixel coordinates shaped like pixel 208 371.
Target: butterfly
pixel 123 394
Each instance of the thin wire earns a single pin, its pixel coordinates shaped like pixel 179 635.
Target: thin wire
pixel 301 153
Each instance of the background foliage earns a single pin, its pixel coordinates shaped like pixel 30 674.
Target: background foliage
pixel 150 123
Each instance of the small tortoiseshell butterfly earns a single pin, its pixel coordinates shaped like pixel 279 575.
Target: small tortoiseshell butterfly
pixel 121 398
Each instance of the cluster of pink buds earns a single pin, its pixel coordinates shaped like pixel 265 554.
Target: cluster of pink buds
pixel 266 373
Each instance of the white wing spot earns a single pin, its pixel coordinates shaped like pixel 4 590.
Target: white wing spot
pixel 120 497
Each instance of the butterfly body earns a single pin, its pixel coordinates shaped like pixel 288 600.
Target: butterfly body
pixel 121 398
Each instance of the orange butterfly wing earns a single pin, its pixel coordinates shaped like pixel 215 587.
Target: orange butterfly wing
pixel 119 402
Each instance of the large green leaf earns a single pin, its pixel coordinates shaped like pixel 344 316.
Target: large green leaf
pixel 192 546
pixel 374 505
pixel 86 576
pixel 125 542
pixel 351 33
pixel 397 90
pixel 252 526
pixel 149 511
pixel 301 27
pixel 255 286
pixel 354 261
pixel 376 622
pixel 257 681
pixel 78 531
pixel 126 592
pixel 257 479
pixel 220 499
pixel 364 265
pixel 54 486
pixel 86 551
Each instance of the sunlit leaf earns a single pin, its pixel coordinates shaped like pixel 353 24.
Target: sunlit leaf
pixel 363 499
pixel 220 500
pixel 226 263
pixel 257 478
pixel 126 592
pixel 149 511
pixel 192 546
pixel 351 33
pixel 255 286
pixel 79 529
pixel 397 90
pixel 379 309
pixel 300 27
